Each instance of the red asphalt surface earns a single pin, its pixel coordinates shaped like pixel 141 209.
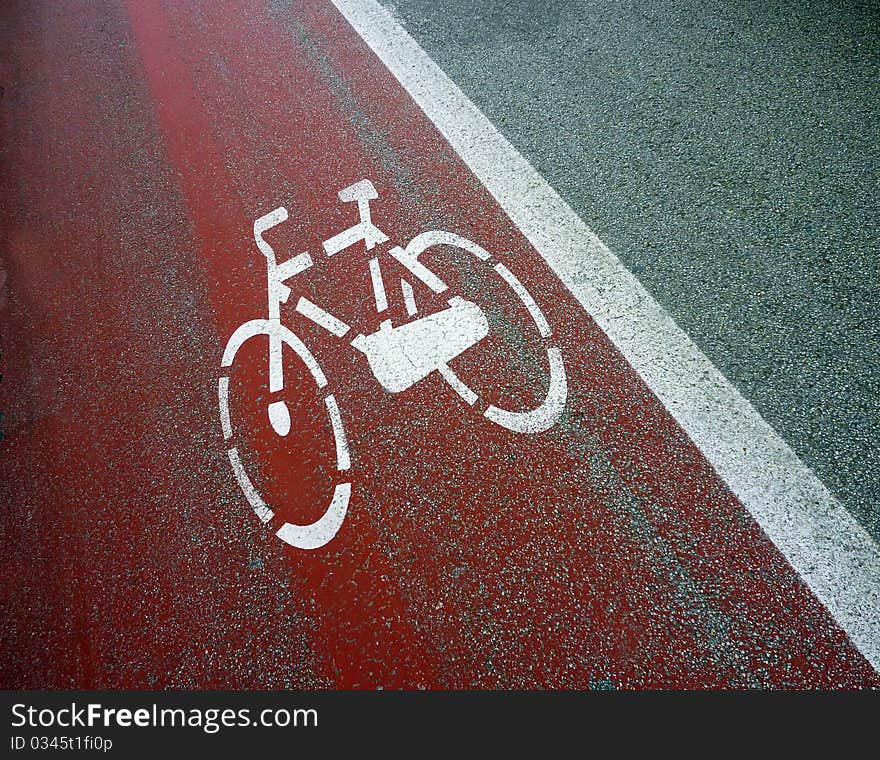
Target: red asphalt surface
pixel 140 142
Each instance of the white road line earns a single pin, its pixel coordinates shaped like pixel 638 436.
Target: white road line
pixel 833 554
pixel 408 298
pixel 378 285
pixel 321 318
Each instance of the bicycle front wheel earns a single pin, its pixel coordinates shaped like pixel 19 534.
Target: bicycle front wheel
pixel 302 536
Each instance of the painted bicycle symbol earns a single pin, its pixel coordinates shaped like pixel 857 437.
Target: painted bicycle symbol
pixel 399 357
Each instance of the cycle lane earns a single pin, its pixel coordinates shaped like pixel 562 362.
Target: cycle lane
pixel 602 551
pixel 355 86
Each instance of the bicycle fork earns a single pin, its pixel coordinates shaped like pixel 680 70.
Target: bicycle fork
pixel 278 293
pixel 277 274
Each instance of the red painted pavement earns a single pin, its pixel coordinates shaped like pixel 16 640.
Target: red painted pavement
pixel 140 144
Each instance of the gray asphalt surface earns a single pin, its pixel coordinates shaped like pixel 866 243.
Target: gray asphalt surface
pixel 727 153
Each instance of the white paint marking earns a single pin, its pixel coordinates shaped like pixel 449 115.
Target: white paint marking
pixel 833 554
pixel 545 416
pixel 264 224
pixel 361 193
pixel 321 318
pixel 291 268
pixel 343 460
pixel 321 531
pixel 422 242
pixel 378 286
pixel 275 330
pixel 279 417
pixel 401 356
pixel 223 395
pixel 419 270
pixel 457 385
pixel 254 499
pixel 526 297
pixel 409 299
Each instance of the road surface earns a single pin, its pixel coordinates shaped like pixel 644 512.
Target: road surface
pixel 311 380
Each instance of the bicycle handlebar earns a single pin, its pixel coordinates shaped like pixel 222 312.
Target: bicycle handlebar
pixel 265 223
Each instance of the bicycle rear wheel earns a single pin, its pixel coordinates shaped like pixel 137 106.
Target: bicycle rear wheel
pixel 542 416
